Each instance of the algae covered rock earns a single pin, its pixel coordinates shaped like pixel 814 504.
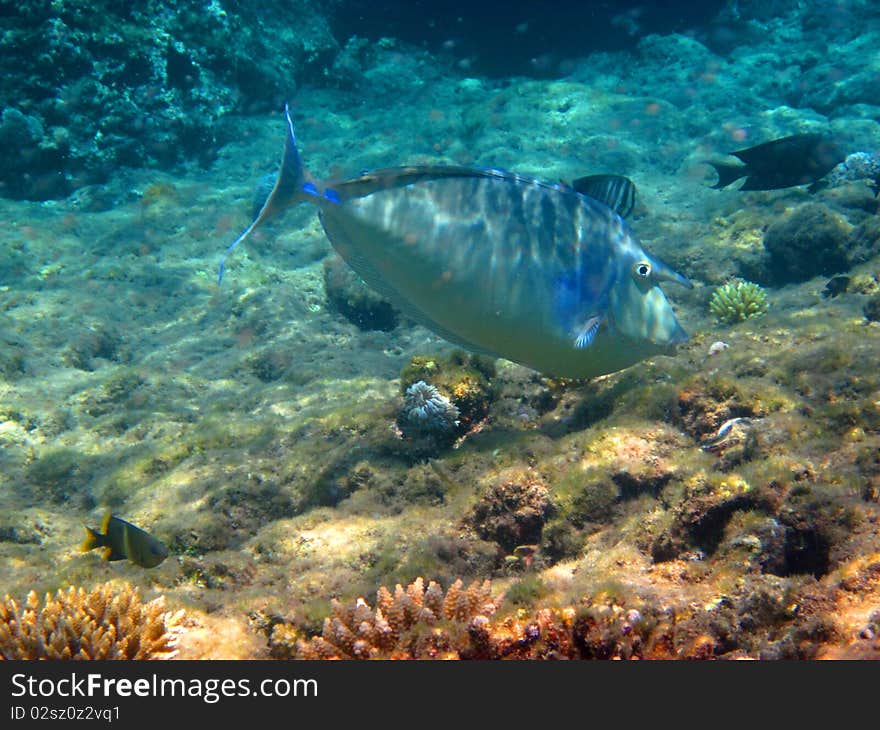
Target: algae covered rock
pixel 444 398
pixel 810 242
pixel 872 309
pixel 354 300
pixel 427 415
pixel 462 378
pixel 513 510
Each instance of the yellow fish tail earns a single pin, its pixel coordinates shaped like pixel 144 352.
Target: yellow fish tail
pixel 93 540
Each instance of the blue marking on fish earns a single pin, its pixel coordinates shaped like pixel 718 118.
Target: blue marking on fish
pixel 495 262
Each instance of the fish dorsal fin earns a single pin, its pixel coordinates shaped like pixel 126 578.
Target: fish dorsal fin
pixel 398 177
pixel 372 278
pixel 105 523
pixel 766 150
pixel 615 191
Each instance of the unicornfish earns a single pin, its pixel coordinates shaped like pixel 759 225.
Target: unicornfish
pixel 495 262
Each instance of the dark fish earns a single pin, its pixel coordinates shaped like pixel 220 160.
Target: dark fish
pixel 121 539
pixel 616 191
pixel 782 163
pixel 834 286
pixel 495 262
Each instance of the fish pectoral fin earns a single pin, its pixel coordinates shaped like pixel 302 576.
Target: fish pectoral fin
pixel 584 335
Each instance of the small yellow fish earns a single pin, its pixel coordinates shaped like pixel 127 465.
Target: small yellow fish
pixel 121 539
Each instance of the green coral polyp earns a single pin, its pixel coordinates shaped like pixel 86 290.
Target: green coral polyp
pixel 738 301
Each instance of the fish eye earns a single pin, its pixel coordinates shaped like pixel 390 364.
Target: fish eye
pixel 642 269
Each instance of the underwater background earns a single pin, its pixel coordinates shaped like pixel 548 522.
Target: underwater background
pixel 719 502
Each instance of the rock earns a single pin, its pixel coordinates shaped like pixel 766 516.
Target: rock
pixel 512 511
pixel 353 299
pixel 872 308
pixel 812 241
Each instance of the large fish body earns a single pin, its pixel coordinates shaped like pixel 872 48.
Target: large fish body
pixel 496 262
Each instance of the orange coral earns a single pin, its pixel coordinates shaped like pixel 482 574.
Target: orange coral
pixel 420 623
pixel 105 623
pixel 413 623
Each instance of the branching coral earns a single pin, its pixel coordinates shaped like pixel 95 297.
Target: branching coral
pixel 412 623
pixel 105 623
pixel 738 301
pixel 420 623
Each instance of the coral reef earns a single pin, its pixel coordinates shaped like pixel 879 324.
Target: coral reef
pixel 729 494
pixel 418 623
pixel 736 301
pixel 149 84
pixel 872 309
pixel 104 623
pixel 857 166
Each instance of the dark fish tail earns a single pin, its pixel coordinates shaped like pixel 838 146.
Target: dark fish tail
pixel 727 173
pixel 292 185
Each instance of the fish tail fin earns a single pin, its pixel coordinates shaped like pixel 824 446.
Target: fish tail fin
pixel 727 173
pixel 93 539
pixel 292 185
